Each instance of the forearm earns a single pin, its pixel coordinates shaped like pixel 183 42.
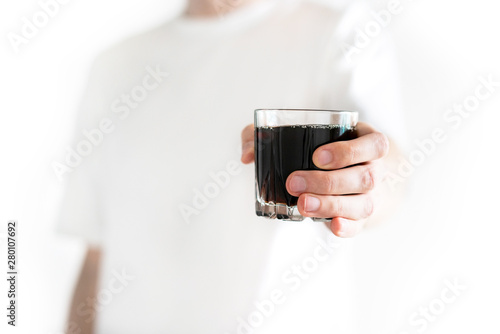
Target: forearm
pixel 86 287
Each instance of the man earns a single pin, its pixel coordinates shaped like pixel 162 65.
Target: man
pixel 167 208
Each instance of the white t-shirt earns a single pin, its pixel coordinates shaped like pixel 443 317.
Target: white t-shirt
pixel 157 182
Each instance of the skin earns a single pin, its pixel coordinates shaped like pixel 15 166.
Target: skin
pixel 350 188
pixel 86 286
pixel 211 8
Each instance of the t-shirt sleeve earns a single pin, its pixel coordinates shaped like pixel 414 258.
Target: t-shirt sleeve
pixel 80 212
pixel 363 75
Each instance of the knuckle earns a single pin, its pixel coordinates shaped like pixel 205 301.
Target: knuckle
pixel 351 154
pixel 382 144
pixel 337 206
pixel 331 183
pixel 369 205
pixel 368 178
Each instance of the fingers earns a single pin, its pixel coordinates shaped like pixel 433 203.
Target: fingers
pixel 363 128
pixel 247 144
pixel 353 180
pixel 370 145
pixel 346 228
pixel 353 207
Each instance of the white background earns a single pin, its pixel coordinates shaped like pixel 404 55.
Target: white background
pixel 446 229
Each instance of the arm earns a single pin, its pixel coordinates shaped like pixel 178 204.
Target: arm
pixel 82 315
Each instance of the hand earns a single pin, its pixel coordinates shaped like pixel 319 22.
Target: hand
pixel 352 172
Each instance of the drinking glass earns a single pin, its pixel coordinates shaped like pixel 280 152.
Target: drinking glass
pixel 285 140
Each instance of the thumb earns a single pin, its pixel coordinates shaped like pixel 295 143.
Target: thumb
pixel 247 144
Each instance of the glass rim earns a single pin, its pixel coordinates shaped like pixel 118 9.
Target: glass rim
pixel 308 110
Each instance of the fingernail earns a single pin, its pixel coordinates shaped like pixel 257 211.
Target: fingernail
pixel 298 184
pixel 324 157
pixel 312 204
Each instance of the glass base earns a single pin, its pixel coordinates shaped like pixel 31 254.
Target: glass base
pixel 282 212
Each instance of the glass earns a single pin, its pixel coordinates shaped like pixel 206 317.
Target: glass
pixel 285 140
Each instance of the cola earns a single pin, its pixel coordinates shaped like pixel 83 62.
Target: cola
pixel 281 150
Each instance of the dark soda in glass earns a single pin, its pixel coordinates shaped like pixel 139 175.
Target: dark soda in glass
pixel 279 151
